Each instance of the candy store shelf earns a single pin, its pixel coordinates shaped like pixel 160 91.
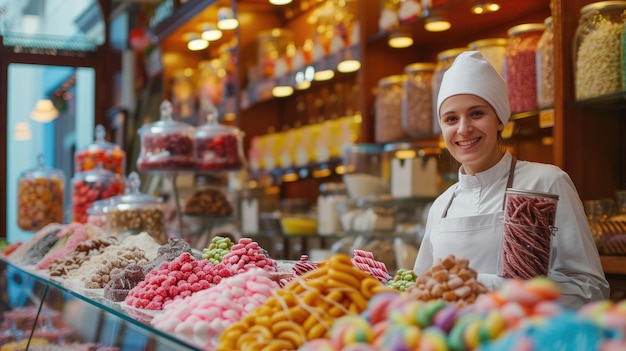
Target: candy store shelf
pixel 96 301
pixel 613 264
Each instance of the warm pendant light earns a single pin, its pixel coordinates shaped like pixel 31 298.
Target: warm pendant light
pixel 282 91
pixel 44 111
pixel 196 43
pixel 280 2
pixel 480 7
pixel 210 32
pixel 437 23
pixel 400 39
pixel 348 66
pixel 226 19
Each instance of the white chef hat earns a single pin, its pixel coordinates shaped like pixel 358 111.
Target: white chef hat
pixel 472 74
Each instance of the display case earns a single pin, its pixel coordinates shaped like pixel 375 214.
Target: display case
pixel 35 310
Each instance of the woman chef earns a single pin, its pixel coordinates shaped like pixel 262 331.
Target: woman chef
pixel 467 219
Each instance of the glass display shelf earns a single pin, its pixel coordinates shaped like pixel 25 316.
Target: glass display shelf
pixel 107 324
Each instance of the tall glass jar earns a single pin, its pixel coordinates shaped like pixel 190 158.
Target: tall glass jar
pixel 444 61
pixel 493 49
pixel 389 109
pixel 109 155
pixel 363 170
pixel 40 195
pixel 545 66
pixel 521 67
pixel 417 99
pixel 598 46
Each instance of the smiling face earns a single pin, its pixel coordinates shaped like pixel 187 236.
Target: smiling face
pixel 470 128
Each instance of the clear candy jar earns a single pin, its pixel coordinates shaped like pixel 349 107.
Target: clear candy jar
pixel 444 61
pixel 109 155
pixel 91 186
pixel 96 213
pixel 417 99
pixel 134 212
pixel 521 66
pixel 493 49
pixel 412 169
pixel 545 66
pixel 598 49
pixel 218 147
pixel 40 197
pixel 363 170
pixel 166 145
pixel 389 109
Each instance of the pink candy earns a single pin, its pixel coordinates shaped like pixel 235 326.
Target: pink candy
pixel 203 317
pixel 364 260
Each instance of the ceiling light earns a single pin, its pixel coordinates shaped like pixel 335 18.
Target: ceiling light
pixel 480 7
pixel 282 91
pixel 326 74
pixel 210 32
pixel 280 2
pixel 22 131
pixel 400 39
pixel 350 65
pixel 196 43
pixel 302 83
pixel 44 111
pixel 437 24
pixel 226 19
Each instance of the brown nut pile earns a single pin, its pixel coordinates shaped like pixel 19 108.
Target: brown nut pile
pixel 208 202
pixel 151 220
pixel 115 263
pixel 449 279
pixel 82 253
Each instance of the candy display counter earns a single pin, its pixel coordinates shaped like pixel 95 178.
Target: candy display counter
pixel 39 310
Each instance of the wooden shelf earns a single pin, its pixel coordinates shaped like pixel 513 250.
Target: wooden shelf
pixel 614 264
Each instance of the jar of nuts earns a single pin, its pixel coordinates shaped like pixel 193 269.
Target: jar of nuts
pixel 417 99
pixel 40 194
pixel 521 66
pixel 109 155
pixel 134 212
pixel 389 109
pixel 166 145
pixel 218 147
pixel 598 50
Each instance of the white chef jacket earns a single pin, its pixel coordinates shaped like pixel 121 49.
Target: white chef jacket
pixel 574 265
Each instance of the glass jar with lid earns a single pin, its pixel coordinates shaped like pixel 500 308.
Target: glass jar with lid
pixel 389 109
pixel 444 61
pixel 412 169
pixel 493 49
pixel 109 155
pixel 40 197
pixel 218 147
pixel 521 66
pixel 598 46
pixel 134 212
pixel 545 66
pixel 91 186
pixel 417 99
pixel 96 213
pixel 330 194
pixel 166 145
pixel 363 170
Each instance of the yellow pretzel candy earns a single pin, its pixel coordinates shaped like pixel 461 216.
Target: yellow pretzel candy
pixel 344 278
pixel 354 308
pixel 298 314
pixel 264 331
pixel 282 326
pixel 311 297
pixel 246 339
pixel 309 323
pixel 335 311
pixel 278 345
pixel 292 336
pixel 368 286
pixel 357 299
pixel 279 317
pixel 317 331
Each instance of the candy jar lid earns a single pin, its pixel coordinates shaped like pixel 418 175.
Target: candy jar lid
pixel 166 125
pixel 213 128
pixel 100 142
pixel 133 198
pixel 41 171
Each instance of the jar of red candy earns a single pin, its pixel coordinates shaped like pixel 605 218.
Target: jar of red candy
pixel 529 219
pixel 521 66
pixel 218 147
pixel 91 186
pixel 134 212
pixel 109 155
pixel 40 194
pixel 166 145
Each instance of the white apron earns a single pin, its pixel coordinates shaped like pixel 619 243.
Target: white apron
pixel 477 238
